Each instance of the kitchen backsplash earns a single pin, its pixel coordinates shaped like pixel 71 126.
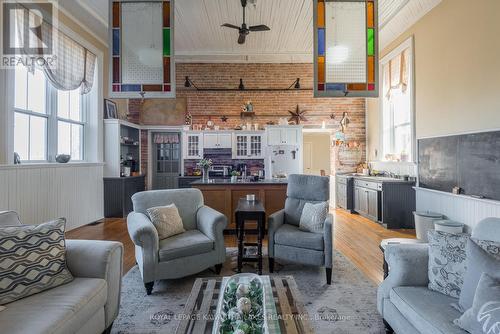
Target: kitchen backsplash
pixel 399 168
pixel 223 157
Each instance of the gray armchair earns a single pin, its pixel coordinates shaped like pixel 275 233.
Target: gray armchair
pixel 88 304
pixel 200 247
pixel 286 241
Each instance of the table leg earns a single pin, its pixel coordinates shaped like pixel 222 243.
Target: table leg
pixel 240 228
pixel 259 241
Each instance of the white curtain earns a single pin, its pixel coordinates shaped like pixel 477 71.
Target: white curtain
pixel 74 65
pixel 396 73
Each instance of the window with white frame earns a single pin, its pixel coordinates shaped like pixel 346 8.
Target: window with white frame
pixel 47 121
pixel 397 129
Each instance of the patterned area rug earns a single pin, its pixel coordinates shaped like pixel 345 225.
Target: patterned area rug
pixel 348 306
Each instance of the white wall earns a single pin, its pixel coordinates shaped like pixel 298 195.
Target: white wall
pixel 42 193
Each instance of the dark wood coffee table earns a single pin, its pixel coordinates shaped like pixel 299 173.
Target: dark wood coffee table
pixel 250 211
pixel 290 317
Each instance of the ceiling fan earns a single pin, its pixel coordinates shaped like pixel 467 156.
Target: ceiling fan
pixel 244 30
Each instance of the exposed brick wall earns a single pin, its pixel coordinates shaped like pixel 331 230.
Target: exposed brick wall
pixel 268 105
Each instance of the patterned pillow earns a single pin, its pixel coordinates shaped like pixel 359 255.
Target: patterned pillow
pixel 484 315
pixel 492 247
pixel 33 259
pixel 313 217
pixel 167 220
pixel 447 262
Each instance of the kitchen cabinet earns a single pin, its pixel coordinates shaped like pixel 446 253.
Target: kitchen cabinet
pixel 285 135
pixel 193 145
pixel 217 140
pixel 344 189
pixel 367 202
pixel 118 192
pixel 248 145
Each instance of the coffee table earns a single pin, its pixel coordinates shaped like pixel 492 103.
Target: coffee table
pixel 288 315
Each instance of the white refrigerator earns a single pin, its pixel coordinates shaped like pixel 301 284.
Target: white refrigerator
pixel 283 160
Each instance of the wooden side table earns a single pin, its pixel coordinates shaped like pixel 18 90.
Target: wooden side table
pixel 394 241
pixel 254 211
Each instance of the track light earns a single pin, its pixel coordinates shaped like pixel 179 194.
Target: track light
pixel 297 83
pixel 187 83
pixel 241 86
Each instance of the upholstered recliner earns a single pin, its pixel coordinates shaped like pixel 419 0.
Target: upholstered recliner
pixel 200 247
pixel 287 241
pixel 403 299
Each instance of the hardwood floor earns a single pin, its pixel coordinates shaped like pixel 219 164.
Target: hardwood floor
pixel 356 237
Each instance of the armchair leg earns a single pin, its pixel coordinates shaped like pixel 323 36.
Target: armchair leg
pixel 218 268
pixel 108 330
pixel 149 287
pixel 271 265
pixel 328 276
pixel 388 328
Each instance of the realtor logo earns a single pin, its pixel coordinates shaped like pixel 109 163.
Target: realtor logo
pixel 27 33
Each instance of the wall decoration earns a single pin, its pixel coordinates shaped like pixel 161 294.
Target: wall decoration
pixel 224 118
pixel 163 112
pixel 110 109
pixel 141 59
pixel 345 48
pixel 344 122
pixel 297 116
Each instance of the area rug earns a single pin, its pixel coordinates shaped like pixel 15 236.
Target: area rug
pixel 348 306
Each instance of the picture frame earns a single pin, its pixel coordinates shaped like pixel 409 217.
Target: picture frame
pixel 110 109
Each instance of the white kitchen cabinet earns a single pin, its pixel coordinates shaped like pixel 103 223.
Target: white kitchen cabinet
pixel 285 135
pixel 193 145
pixel 217 140
pixel 248 145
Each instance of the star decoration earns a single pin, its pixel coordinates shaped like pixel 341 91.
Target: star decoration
pixel 223 118
pixel 298 115
pixel 332 116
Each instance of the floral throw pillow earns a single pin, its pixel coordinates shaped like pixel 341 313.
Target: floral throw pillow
pixel 491 247
pixel 447 262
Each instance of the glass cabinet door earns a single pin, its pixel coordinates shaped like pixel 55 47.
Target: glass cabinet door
pixel 193 146
pixel 256 146
pixel 241 145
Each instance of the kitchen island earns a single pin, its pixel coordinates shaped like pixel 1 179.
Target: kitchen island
pixel 223 195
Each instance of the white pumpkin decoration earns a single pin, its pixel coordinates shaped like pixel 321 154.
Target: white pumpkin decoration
pixel 244 305
pixel 242 290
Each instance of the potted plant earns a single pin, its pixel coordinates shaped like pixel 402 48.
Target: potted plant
pixel 205 165
pixel 234 176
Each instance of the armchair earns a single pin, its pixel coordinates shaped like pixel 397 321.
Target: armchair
pixel 287 241
pixel 200 247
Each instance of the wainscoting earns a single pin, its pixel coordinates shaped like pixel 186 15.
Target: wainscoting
pixel 460 208
pixel 44 192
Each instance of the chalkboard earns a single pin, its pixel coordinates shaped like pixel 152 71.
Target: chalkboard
pixel 471 162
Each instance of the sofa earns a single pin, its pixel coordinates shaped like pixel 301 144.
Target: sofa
pixel 287 241
pixel 88 304
pixel 403 299
pixel 188 253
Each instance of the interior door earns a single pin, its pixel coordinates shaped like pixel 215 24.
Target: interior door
pixel 308 165
pixel 166 159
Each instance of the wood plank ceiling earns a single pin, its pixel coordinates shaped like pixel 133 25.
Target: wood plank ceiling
pixel 200 38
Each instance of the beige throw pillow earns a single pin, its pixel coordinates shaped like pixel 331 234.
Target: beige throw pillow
pixel 167 220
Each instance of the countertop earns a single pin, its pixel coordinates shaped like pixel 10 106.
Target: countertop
pixel 216 182
pixel 378 179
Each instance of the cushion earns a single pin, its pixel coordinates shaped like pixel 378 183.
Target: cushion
pixel 304 189
pixel 64 309
pixel 478 262
pixel 313 217
pixel 428 311
pixel 167 220
pixel 290 235
pixel 446 262
pixel 32 259
pixel 484 315
pixel 192 242
pixel 9 218
pixel 491 247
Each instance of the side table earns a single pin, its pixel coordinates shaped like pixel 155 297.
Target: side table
pixel 394 241
pixel 254 211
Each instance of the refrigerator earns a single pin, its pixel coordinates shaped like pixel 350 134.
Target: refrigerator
pixel 283 160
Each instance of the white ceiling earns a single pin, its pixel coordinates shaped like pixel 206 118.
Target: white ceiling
pixel 199 36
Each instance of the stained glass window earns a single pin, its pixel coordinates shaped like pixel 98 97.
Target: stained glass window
pixel 346 48
pixel 141 57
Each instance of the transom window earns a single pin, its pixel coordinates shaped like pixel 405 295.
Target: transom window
pixel 47 121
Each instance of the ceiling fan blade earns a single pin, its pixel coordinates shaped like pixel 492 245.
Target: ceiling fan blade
pixel 241 39
pixel 227 25
pixel 261 27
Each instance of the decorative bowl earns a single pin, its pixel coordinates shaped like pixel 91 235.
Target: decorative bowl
pixel 63 158
pixel 237 290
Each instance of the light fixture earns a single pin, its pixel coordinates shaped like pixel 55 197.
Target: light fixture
pixel 187 83
pixel 295 85
pixel 241 86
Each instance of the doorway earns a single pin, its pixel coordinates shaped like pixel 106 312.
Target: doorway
pixel 166 159
pixel 317 153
